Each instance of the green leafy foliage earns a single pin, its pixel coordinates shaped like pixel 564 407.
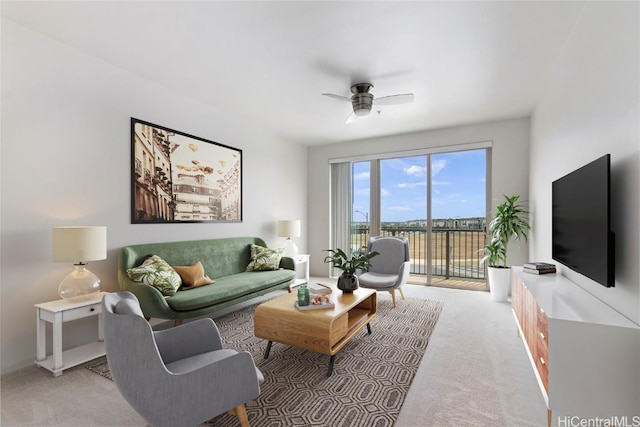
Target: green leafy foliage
pixel 360 260
pixel 509 223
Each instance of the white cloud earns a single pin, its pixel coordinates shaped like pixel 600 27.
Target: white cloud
pixel 416 170
pixel 412 184
pixel 437 166
pixel 362 176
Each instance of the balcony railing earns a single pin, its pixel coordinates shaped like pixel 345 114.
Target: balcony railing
pixel 455 252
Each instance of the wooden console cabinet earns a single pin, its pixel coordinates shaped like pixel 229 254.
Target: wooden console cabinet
pixel 586 356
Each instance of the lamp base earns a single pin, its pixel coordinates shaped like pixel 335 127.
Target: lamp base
pixel 290 248
pixel 79 283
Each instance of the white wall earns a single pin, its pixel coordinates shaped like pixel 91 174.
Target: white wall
pixel 66 161
pixel 510 170
pixel 590 108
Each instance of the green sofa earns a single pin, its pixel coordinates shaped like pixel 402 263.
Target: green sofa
pixel 224 260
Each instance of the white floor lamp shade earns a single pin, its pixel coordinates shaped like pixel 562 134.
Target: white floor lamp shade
pixel 289 228
pixel 79 245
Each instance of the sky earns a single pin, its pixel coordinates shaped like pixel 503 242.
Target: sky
pixel 458 182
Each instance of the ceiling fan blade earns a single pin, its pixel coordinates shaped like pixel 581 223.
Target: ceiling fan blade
pixel 352 118
pixel 405 98
pixel 341 98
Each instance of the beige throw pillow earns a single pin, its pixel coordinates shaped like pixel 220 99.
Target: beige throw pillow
pixel 192 275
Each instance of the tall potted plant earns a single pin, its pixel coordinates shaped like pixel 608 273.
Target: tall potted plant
pixel 359 260
pixel 509 223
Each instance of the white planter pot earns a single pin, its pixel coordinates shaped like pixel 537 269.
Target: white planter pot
pixel 499 283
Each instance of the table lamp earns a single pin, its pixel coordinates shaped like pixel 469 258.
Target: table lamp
pixel 289 228
pixel 79 245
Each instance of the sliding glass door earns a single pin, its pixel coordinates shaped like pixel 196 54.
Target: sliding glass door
pixel 458 207
pixel 437 201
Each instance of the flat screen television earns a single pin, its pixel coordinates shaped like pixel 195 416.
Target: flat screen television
pixel 581 221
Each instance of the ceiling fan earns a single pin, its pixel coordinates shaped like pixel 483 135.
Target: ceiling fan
pixel 362 100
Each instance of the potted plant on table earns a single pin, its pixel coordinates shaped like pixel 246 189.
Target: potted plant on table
pixel 509 223
pixel 359 260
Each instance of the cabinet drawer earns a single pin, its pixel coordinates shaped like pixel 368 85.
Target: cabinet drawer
pixel 543 368
pixel 542 347
pixel 81 312
pixel 542 321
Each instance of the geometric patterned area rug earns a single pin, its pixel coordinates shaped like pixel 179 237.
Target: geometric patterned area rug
pixel 371 375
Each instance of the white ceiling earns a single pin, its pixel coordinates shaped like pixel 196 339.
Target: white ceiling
pixel 269 62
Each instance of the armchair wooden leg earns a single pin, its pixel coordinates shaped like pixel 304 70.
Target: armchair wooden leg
pixel 393 297
pixel 401 293
pixel 240 411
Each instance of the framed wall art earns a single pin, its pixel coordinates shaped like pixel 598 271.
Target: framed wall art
pixel 176 177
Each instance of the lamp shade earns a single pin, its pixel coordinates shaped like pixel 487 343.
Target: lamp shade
pixel 79 244
pixel 289 228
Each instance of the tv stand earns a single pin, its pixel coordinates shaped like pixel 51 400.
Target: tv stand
pixel 585 355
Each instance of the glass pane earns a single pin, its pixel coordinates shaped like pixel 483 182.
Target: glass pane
pixel 403 199
pixel 458 207
pixel 360 211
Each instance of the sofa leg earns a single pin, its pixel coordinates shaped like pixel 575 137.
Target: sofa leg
pixel 240 411
pixel 178 322
pixel 393 297
pixel 401 293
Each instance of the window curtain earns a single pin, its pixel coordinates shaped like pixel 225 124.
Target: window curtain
pixel 340 209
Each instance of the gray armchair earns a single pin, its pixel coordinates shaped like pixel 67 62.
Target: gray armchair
pixel 389 270
pixel 176 377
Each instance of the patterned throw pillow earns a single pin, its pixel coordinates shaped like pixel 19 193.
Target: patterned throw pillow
pixel 155 271
pixel 263 259
pixel 192 275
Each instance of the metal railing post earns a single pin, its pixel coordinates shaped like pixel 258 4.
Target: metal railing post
pixel 448 256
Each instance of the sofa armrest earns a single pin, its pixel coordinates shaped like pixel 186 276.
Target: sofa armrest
pixel 287 263
pixel 152 302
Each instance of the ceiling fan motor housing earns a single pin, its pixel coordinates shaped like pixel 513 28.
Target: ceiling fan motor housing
pixel 361 100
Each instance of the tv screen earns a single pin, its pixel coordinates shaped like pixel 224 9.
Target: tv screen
pixel 581 221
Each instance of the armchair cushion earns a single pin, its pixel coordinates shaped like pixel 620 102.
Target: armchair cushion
pixel 378 281
pixel 264 259
pixel 155 271
pixel 192 275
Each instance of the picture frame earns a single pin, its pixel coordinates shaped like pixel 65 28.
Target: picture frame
pixel 181 178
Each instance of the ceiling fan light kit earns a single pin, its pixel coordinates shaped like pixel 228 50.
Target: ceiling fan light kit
pixel 362 100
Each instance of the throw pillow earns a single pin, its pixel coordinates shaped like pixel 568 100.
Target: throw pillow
pixel 263 259
pixel 156 272
pixel 192 275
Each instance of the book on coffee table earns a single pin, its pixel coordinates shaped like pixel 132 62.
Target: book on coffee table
pixel 319 289
pixel 330 304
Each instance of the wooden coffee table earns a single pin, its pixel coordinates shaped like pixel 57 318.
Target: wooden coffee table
pixel 325 331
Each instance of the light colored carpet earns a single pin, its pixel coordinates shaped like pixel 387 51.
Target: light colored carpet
pixel 475 372
pixel 376 368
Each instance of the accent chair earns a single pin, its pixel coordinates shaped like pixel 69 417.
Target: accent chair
pixel 389 270
pixel 175 377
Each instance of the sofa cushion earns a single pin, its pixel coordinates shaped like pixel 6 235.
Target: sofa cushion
pixel 264 259
pixel 228 288
pixel 192 275
pixel 155 271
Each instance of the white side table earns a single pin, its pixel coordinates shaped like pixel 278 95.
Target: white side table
pixel 58 312
pixel 299 260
